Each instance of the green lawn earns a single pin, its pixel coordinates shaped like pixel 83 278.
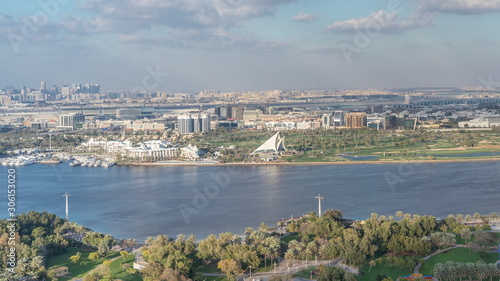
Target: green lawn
pixel 208 268
pixel 457 255
pixel 383 269
pixel 265 266
pixel 306 273
pixel 82 267
pixel 119 273
pixel 289 238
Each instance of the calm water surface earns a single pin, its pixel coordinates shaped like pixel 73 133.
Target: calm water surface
pixel 144 201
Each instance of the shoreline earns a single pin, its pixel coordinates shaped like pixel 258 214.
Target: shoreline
pixel 378 162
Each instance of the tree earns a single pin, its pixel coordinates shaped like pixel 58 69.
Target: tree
pixel 103 247
pixel 93 256
pixel 443 239
pixel 263 227
pixel 474 247
pixel 372 263
pixel 333 214
pixel 152 272
pixel 75 258
pixel 124 254
pixel 335 274
pixel 466 234
pixel 230 267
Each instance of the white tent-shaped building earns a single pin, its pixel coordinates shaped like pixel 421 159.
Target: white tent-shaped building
pixel 275 144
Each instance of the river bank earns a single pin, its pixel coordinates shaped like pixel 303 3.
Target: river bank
pixel 273 163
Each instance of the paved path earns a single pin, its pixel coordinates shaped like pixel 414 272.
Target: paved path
pixel 290 267
pixel 74 278
pixel 417 268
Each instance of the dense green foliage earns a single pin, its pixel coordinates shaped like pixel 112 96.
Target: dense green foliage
pixel 169 257
pixel 397 242
pixel 335 274
pixel 38 236
pixel 34 240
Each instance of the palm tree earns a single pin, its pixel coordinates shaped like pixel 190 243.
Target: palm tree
pixel 481 270
pixel 439 271
pixel 471 269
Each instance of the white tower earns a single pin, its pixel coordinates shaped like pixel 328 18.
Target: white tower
pixel 319 197
pixel 67 206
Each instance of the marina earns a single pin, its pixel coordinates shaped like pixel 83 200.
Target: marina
pixel 58 158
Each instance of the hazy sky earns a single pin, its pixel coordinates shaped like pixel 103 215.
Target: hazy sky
pixel 193 45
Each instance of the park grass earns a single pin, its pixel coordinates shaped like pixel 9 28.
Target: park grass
pixel 460 241
pixel 290 237
pixel 457 255
pixel 385 142
pixel 265 266
pixel 119 273
pixel 306 273
pixel 82 267
pixel 208 268
pixel 382 269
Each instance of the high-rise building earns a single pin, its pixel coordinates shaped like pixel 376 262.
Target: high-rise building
pixel 196 123
pixel 326 120
pixel 205 122
pixel 210 92
pixel 338 119
pixel 393 122
pixel 224 111
pixel 193 123
pixel 390 122
pixel 185 124
pixel 407 99
pixel 65 90
pixel 69 121
pixel 237 112
pixel 355 119
pixel 43 86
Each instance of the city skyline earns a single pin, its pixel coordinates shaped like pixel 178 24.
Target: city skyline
pixel 250 45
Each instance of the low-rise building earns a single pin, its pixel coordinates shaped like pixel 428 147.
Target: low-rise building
pixel 60 271
pixel 140 265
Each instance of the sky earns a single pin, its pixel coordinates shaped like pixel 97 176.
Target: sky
pixel 238 45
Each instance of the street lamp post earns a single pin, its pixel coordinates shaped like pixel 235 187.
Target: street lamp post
pixel 319 197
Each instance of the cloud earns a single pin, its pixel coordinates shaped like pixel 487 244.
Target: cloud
pixel 26 30
pixel 461 6
pixel 379 21
pixel 131 15
pixel 322 50
pixel 7 23
pixel 194 38
pixel 244 9
pixel 303 17
pixel 186 23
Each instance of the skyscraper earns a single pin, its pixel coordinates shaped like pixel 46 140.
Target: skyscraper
pixel 69 121
pixel 185 124
pixel 326 121
pixel 193 123
pixel 43 86
pixel 355 119
pixel 338 119
pixel 205 122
